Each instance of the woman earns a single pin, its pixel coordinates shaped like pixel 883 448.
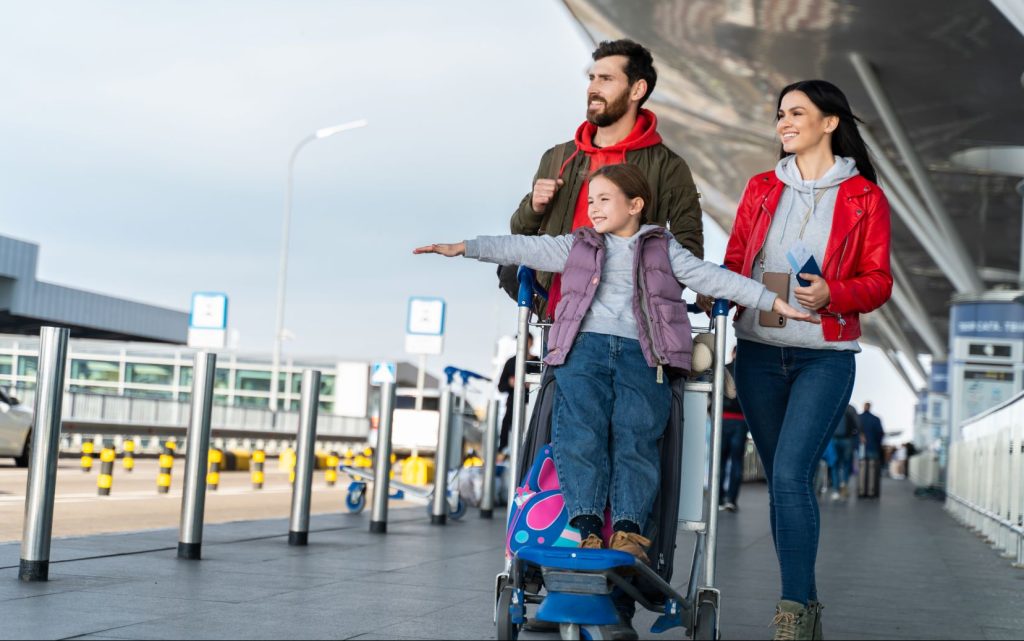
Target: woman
pixel 820 207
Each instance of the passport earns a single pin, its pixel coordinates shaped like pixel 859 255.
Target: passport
pixel 803 262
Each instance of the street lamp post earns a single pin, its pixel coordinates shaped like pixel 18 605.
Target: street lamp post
pixel 282 274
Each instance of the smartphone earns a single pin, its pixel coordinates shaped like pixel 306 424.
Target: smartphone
pixel 777 282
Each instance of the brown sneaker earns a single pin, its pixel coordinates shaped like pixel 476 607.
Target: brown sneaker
pixel 592 542
pixel 630 542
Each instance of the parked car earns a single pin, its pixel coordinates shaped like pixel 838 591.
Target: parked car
pixel 15 429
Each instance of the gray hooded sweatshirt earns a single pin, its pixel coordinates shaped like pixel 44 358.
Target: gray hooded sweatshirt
pixel 800 198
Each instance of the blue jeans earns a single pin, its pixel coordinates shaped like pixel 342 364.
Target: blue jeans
pixel 844 460
pixel 734 446
pixel 609 413
pixel 793 399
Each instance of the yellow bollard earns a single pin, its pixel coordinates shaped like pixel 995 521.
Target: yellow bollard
pixel 259 457
pixel 365 459
pixel 128 460
pixel 331 475
pixel 106 478
pixel 163 481
pixel 418 471
pixel 88 447
pixel 213 477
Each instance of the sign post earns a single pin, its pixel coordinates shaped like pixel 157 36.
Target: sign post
pixel 424 335
pixel 208 320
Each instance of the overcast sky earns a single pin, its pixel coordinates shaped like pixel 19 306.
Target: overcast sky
pixel 145 145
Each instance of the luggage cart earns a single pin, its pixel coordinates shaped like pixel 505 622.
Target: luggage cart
pixel 355 499
pixel 577 583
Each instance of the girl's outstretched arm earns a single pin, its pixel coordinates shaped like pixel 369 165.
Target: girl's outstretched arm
pixel 445 249
pixel 546 253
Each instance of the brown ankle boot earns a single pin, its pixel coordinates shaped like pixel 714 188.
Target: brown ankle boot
pixel 630 542
pixel 592 542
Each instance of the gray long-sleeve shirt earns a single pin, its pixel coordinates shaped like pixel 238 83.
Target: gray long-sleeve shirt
pixel 612 309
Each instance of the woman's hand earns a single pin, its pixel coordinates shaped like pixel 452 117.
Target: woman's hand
pixel 705 302
pixel 816 295
pixel 783 308
pixel 445 249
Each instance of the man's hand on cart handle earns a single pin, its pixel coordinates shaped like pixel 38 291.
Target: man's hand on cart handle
pixel 445 249
pixel 705 302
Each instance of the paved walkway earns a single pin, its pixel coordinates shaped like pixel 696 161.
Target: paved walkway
pixel 898 568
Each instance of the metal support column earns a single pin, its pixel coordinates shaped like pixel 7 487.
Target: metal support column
pixel 917 171
pixel 439 509
pixel 910 304
pixel 382 466
pixel 193 499
pixel 489 454
pixel 298 526
pixel 42 467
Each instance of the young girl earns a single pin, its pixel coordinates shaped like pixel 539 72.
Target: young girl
pixel 620 323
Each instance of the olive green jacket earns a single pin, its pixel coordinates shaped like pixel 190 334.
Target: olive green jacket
pixel 676 200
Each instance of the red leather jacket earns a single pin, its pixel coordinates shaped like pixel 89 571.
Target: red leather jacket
pixel 856 265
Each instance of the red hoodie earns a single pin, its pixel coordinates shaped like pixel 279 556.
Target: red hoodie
pixel 644 134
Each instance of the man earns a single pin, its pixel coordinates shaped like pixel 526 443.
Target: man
pixel 617 129
pixel 842 441
pixel 871 435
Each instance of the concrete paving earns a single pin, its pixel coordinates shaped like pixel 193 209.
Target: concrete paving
pixel 898 568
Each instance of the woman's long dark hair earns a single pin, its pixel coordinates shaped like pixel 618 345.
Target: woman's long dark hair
pixel 846 139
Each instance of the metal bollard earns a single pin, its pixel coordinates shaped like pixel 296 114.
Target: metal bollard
pixel 382 467
pixel 331 475
pixel 490 452
pixel 259 457
pixel 88 447
pixel 213 476
pixel 106 478
pixel 42 468
pixel 128 460
pixel 193 497
pixel 298 527
pixel 163 480
pixel 439 511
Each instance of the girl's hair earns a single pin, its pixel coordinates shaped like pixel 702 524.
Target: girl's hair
pixel 631 181
pixel 846 139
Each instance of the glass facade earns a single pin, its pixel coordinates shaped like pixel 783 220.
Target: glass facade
pixel 159 372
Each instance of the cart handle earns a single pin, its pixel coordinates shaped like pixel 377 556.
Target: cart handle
pixel 451 371
pixel 528 286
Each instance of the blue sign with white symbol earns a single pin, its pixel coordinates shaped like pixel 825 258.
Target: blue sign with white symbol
pixel 383 372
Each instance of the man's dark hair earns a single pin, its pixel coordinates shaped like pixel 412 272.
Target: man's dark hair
pixel 639 62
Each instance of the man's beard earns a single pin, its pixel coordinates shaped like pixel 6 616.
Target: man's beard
pixel 612 113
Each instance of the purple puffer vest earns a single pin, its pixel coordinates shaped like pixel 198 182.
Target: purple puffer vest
pixel 663 323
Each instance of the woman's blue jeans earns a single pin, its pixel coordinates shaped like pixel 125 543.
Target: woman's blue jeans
pixel 609 413
pixel 793 399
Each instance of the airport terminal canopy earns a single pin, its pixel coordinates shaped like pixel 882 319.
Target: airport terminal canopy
pixel 27 304
pixel 938 85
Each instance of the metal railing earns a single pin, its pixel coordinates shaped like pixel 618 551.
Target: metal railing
pixel 131 416
pixel 985 482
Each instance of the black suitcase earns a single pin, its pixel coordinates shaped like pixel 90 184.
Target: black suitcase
pixel 869 477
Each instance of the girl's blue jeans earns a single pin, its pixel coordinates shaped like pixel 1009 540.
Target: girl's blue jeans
pixel 793 399
pixel 609 413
